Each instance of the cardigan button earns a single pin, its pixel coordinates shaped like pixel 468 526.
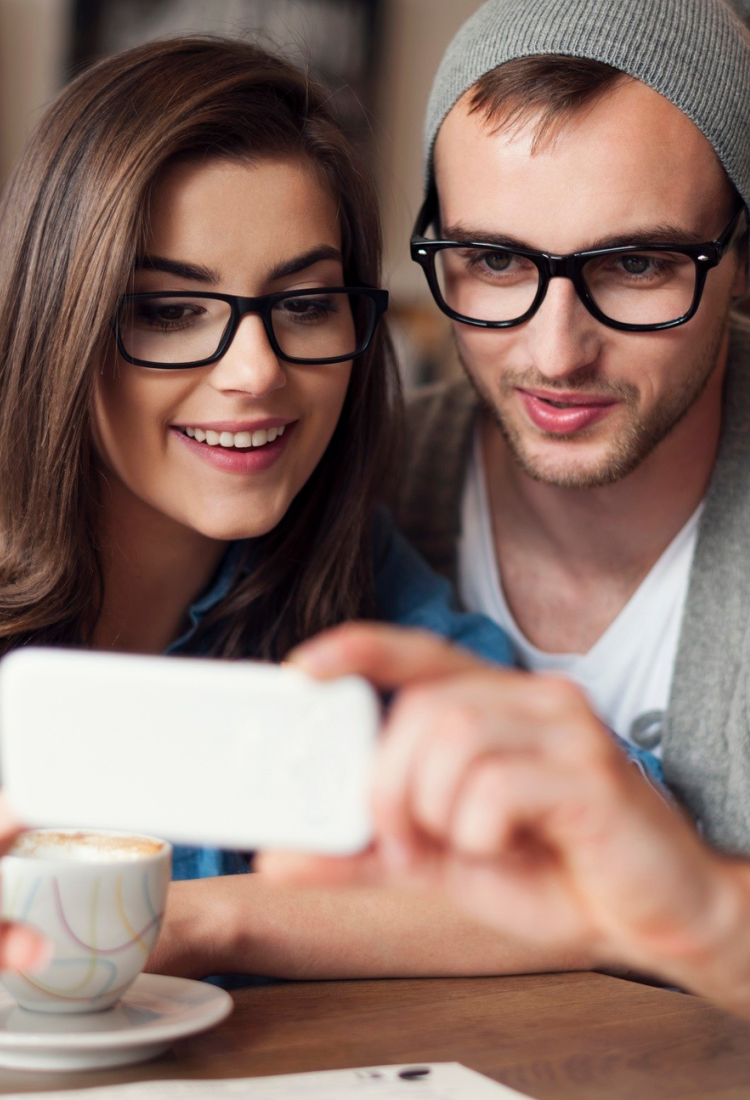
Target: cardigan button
pixel 647 730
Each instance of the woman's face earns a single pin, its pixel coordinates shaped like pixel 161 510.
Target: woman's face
pixel 229 228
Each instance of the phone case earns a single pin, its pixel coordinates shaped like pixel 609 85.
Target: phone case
pixel 231 754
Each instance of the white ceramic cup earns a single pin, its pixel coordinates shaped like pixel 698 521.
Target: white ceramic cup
pixel 98 898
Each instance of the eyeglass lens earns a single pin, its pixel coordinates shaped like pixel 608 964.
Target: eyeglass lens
pixel 644 288
pixel 187 329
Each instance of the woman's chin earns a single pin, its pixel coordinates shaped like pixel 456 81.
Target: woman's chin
pixel 234 529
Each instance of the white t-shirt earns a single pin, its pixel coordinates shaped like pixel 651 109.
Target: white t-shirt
pixel 627 674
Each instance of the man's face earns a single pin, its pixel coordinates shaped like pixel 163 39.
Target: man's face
pixel 581 404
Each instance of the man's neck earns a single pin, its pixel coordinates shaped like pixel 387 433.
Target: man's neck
pixel 570 559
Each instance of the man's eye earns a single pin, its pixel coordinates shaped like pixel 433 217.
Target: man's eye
pixel 498 261
pixel 636 265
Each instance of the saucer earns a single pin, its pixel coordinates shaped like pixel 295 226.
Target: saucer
pixel 148 1018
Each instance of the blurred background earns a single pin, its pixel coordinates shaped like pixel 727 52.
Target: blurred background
pixel 377 56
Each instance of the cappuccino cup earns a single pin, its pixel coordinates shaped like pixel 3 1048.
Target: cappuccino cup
pixel 98 898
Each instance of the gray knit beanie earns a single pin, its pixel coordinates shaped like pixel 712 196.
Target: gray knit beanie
pixel 696 53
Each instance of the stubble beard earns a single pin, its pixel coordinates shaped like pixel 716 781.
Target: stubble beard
pixel 633 444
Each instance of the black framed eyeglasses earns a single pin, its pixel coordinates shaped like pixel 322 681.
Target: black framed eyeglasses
pixel 633 288
pixel 173 330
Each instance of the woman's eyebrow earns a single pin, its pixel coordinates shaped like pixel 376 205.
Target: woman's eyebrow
pixel 183 270
pixel 300 263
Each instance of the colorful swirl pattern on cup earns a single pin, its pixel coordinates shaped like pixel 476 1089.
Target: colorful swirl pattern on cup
pixel 103 924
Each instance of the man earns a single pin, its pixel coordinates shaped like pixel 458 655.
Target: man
pixel 589 487
pixel 589 475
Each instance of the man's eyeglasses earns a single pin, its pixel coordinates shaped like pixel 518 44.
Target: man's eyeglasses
pixel 634 288
pixel 174 330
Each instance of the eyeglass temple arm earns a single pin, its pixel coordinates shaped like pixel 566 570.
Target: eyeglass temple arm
pixel 734 232
pixel 428 212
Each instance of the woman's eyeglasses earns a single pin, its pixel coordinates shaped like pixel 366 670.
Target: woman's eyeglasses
pixel 175 330
pixel 633 288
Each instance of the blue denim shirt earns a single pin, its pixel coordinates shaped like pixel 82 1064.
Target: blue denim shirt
pixel 408 593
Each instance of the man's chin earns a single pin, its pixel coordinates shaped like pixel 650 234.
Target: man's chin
pixel 572 463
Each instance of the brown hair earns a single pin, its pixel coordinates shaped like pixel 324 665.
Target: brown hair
pixel 549 89
pixel 72 222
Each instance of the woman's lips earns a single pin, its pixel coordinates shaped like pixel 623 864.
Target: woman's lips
pixel 569 414
pixel 251 461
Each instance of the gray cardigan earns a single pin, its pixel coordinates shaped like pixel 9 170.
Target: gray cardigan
pixel 707 736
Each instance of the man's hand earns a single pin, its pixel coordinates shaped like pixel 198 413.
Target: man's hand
pixel 506 790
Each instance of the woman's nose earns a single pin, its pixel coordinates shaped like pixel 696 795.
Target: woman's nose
pixel 250 365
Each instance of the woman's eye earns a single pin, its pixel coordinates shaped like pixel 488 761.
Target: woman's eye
pixel 308 309
pixel 168 316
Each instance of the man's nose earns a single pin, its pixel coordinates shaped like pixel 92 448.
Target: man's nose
pixel 250 365
pixel 563 336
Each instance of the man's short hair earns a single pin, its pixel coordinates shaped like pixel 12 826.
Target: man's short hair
pixel 546 90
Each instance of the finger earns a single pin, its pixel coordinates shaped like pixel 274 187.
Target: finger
pixel 502 799
pixel 440 763
pixel 434 735
pixel 405 743
pixel 631 866
pixel 22 948
pixel 390 657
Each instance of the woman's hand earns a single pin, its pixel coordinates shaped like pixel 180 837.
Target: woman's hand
pixel 506 790
pixel 21 948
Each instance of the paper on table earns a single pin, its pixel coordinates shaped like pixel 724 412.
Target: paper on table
pixel 442 1081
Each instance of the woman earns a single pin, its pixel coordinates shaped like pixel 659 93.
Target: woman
pixel 195 408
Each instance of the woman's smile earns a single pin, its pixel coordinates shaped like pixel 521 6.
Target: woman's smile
pixel 246 449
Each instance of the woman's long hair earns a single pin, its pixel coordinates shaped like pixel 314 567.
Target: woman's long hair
pixel 72 223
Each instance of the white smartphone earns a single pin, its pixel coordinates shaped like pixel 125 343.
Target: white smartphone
pixel 231 754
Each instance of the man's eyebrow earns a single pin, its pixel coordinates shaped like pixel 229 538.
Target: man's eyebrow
pixel 465 234
pixel 301 263
pixel 180 268
pixel 646 235
pixel 640 237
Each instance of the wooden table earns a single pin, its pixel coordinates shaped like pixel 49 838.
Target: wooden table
pixel 555 1036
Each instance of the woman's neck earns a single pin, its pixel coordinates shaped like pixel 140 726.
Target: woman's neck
pixel 154 569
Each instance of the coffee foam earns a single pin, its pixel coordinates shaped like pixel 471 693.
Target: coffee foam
pixel 85 847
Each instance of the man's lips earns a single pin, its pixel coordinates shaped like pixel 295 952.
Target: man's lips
pixel 564 413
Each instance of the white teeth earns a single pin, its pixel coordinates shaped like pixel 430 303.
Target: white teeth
pixel 257 438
